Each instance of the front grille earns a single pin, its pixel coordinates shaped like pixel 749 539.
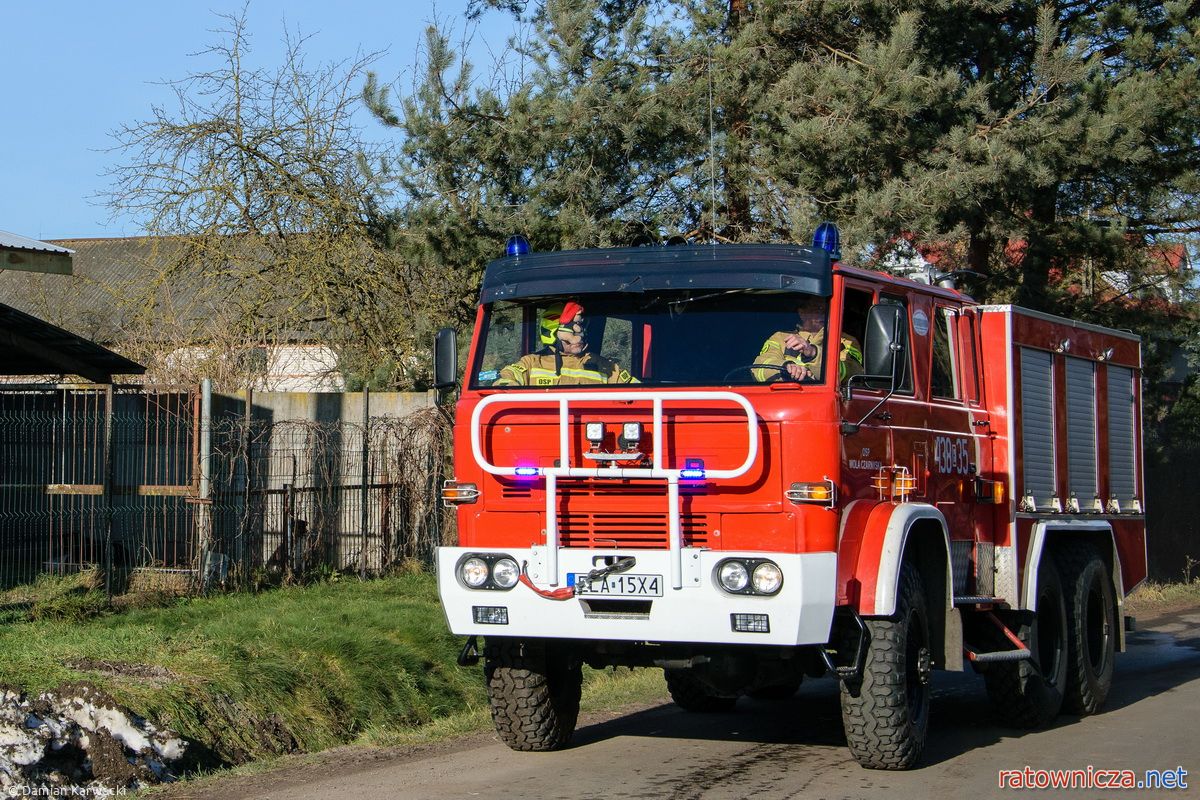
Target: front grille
pixel 629 531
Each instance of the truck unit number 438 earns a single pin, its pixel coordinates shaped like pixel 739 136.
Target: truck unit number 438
pixel 950 455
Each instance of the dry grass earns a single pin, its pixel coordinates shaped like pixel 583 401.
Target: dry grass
pixel 1153 599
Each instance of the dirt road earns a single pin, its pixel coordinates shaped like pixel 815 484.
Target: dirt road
pixel 791 749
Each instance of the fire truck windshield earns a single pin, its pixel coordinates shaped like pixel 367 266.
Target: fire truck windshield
pixel 678 338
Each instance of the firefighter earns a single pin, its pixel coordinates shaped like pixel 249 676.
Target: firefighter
pixel 801 351
pixel 565 361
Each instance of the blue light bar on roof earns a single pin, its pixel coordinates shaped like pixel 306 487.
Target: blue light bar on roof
pixel 828 238
pixel 517 245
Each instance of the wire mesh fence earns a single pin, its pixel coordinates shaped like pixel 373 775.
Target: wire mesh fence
pixel 138 487
pixel 295 496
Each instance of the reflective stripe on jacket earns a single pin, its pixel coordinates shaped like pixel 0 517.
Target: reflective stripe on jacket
pixel 538 369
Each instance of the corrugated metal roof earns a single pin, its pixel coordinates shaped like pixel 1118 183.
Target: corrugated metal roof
pixel 15 242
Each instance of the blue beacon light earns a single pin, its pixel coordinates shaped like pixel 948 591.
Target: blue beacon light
pixel 828 238
pixel 516 246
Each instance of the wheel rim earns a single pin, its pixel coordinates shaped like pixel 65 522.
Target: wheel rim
pixel 1051 637
pixel 1096 629
pixel 918 668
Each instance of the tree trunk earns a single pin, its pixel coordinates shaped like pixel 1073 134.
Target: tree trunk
pixel 1039 252
pixel 737 157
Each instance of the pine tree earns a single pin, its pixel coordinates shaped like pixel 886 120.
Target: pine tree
pixel 1041 145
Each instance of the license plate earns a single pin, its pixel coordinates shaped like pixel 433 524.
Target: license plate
pixel 619 585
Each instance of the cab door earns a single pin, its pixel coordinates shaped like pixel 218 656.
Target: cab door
pixel 867 450
pixel 961 450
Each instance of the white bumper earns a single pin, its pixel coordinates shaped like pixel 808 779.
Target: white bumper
pixel 699 612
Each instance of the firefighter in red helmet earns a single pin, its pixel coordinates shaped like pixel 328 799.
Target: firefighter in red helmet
pixel 565 359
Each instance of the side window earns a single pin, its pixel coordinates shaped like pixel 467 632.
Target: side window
pixel 854 313
pixel 969 358
pixel 855 304
pixel 941 372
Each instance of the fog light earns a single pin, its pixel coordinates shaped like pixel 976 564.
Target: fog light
pixel 594 431
pixel 750 623
pixel 473 572
pixel 767 578
pixel 505 573
pixel 733 576
pixel 490 615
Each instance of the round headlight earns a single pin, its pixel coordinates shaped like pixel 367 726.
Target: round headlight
pixel 733 576
pixel 505 573
pixel 473 571
pixel 767 578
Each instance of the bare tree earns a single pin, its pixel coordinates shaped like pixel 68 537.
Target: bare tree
pixel 262 181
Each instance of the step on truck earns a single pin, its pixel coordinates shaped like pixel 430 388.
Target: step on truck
pixel 960 485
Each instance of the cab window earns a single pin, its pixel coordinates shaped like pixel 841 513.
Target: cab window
pixel 941 371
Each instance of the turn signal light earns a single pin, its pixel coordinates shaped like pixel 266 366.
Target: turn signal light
pixel 458 494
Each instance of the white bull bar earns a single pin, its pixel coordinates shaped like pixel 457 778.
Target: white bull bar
pixel 657 471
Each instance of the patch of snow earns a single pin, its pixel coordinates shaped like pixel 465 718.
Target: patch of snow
pixel 78 741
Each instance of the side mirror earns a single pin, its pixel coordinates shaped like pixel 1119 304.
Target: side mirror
pixel 445 360
pixel 885 362
pixel 885 343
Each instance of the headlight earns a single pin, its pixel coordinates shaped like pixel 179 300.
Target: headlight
pixel 733 576
pixel 749 576
pixel 767 578
pixel 490 571
pixel 505 573
pixel 473 571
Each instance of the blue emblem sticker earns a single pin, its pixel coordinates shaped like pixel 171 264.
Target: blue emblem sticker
pixel 489 375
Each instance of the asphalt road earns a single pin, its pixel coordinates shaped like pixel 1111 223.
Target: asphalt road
pixel 792 749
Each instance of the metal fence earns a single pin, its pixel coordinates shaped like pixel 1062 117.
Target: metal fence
pixel 139 487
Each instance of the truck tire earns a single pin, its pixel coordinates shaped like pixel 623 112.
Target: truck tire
pixel 1029 694
pixel 886 713
pixel 1092 629
pixel 533 691
pixel 692 695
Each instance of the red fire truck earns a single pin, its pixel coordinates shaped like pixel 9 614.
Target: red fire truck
pixel 971 493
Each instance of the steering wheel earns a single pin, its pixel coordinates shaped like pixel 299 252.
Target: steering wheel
pixel 781 373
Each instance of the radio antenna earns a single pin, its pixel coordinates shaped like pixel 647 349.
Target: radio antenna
pixel 712 153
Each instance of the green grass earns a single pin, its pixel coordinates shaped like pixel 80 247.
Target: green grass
pixel 250 676
pixel 254 675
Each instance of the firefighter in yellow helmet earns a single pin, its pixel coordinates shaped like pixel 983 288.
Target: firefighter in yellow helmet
pixel 565 361
pixel 801 351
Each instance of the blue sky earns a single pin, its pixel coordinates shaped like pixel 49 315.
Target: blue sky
pixel 72 72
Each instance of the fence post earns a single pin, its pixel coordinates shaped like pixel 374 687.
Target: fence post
pixel 204 515
pixel 107 489
pixel 243 550
pixel 364 516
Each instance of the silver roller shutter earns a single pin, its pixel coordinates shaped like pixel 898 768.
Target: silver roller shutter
pixel 1037 425
pixel 1122 436
pixel 1081 430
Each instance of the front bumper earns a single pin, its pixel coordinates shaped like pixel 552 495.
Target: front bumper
pixel 799 614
